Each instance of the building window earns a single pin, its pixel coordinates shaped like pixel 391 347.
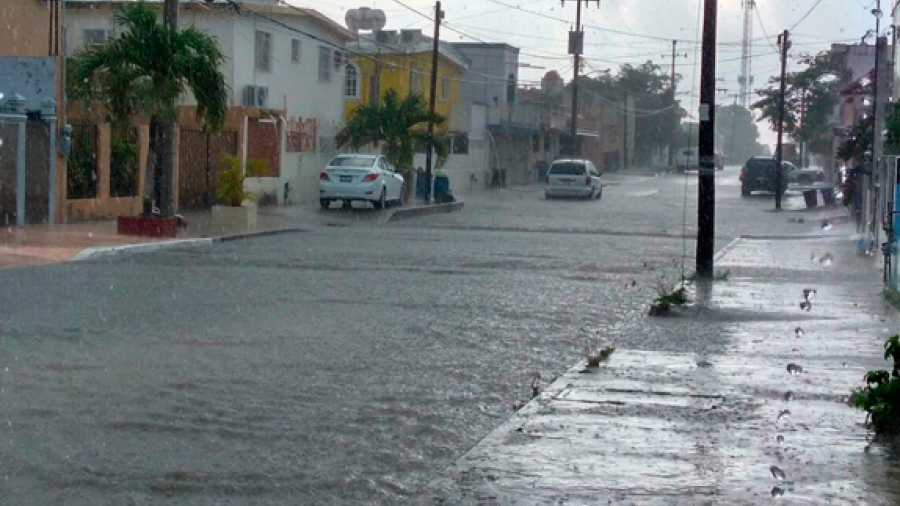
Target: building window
pixel 415 82
pixel 445 88
pixel 351 81
pixel 264 51
pixel 94 37
pixel 324 63
pixel 295 51
pixel 459 143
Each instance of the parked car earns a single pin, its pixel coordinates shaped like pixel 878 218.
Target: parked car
pixel 573 178
pixel 758 174
pixel 367 178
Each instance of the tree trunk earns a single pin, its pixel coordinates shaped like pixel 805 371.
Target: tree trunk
pixel 165 188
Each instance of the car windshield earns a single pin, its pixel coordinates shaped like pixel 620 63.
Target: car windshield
pixel 338 253
pixel 568 169
pixel 352 161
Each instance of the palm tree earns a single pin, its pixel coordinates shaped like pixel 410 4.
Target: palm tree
pixel 398 124
pixel 145 70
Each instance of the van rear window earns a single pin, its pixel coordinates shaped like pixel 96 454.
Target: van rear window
pixel 568 169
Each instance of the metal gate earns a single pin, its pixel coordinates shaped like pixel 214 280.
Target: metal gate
pixel 199 160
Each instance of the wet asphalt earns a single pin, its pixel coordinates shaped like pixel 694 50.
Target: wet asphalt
pixel 348 364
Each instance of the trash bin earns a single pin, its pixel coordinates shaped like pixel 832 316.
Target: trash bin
pixel 812 200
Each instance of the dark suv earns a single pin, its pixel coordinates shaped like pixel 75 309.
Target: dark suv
pixel 758 174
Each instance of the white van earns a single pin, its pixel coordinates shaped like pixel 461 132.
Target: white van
pixel 573 178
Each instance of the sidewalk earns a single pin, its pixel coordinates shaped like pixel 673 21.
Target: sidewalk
pixel 47 244
pixel 652 428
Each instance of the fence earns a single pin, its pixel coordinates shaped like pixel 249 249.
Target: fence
pixel 200 158
pixel 82 162
pixel 123 163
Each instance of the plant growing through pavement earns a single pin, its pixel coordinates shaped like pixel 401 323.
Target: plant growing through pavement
pixel 881 395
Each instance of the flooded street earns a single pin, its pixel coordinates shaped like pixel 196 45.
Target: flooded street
pixel 343 365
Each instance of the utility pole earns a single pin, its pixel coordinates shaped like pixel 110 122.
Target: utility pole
pixel 164 184
pixel 706 203
pixel 785 43
pixel 438 16
pixel 733 127
pixel 625 131
pixel 675 54
pixel 801 142
pixel 576 47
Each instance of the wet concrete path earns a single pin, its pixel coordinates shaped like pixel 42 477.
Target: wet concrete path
pixel 762 418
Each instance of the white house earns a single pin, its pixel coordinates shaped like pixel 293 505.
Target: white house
pixel 284 69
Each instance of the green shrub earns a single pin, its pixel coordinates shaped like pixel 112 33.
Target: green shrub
pixel 231 179
pixel 881 395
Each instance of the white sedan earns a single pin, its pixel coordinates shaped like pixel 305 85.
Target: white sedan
pixel 369 178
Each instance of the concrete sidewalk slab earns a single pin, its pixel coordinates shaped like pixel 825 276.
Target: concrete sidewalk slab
pixel 733 427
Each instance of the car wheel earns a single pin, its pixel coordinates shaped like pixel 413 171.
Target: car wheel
pixel 600 193
pixel 381 203
pixel 324 203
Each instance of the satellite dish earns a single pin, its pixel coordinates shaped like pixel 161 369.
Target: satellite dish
pixel 365 18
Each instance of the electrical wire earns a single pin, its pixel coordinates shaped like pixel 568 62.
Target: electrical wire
pixel 765 32
pixel 811 9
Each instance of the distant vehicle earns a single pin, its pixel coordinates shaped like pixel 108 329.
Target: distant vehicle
pixel 687 159
pixel 368 178
pixel 573 178
pixel 758 174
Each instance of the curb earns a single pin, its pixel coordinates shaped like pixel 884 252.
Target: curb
pixel 413 212
pixel 148 247
pixel 261 233
pixel 727 249
pixel 144 247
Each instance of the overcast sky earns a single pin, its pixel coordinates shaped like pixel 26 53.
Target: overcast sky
pixel 542 39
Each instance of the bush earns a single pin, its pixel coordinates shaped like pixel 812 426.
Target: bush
pixel 880 398
pixel 231 179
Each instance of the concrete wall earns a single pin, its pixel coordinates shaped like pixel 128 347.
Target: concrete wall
pixel 487 77
pixel 25 28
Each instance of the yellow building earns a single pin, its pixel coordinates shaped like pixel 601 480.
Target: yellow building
pixel 401 61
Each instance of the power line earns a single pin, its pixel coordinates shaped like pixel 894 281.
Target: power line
pixel 811 9
pixel 765 32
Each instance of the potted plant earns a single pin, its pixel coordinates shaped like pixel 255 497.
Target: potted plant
pixel 238 206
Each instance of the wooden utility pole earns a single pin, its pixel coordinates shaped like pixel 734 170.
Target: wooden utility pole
pixel 706 208
pixel 625 130
pixel 438 16
pixel 785 43
pixel 164 184
pixel 801 147
pixel 576 47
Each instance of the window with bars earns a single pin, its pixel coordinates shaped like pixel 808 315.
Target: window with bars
pixel 445 88
pixel 295 51
pixel 263 51
pixel 325 63
pixel 415 82
pixel 351 81
pixel 94 37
